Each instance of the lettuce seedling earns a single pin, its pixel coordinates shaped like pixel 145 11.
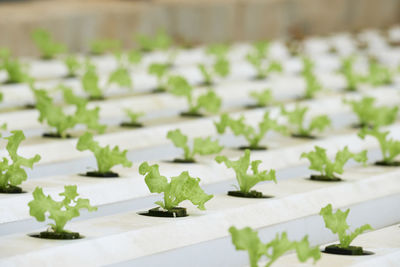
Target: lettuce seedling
pixel 336 222
pixel 258 63
pixel 245 180
pixel 60 212
pixel 201 146
pixel 390 148
pixel 352 78
pixel 133 118
pixel 370 115
pixel 11 173
pixel 296 119
pixel 240 128
pixel 320 162
pixel 379 74
pixel 180 188
pixel 106 157
pixel 312 85
pixel 220 68
pixel 263 98
pixel 73 65
pixel 99 47
pixel 134 57
pixel 261 48
pixel 16 71
pixel 46 45
pixel 161 41
pixel 121 77
pixel 218 50
pixel 159 70
pixel 308 65
pixel 208 101
pixel 90 83
pixel 247 239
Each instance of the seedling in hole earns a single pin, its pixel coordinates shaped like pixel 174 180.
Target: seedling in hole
pixel 296 119
pixel 218 50
pixel 90 83
pixel 73 65
pixel 336 222
pixel 209 101
pixel 245 180
pixel 12 173
pixel 134 57
pixel 390 148
pixel 121 77
pixel 263 98
pixel 220 68
pixel 160 71
pixel 261 48
pixel 262 68
pixel 201 146
pixel 312 85
pixel 133 118
pixel 370 115
pixel 16 71
pixel 247 239
pixel 352 78
pixel 99 47
pixel 161 41
pixel 180 188
pixel 46 45
pixel 60 212
pixel 320 162
pixel 106 157
pixel 308 65
pixel 251 134
pixel 379 74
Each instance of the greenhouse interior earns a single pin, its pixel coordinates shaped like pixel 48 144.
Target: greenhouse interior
pixel 191 133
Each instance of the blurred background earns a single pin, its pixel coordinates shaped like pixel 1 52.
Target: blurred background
pixel 189 22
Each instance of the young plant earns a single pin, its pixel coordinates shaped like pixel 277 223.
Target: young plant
pixel 90 83
pixel 320 162
pixel 134 57
pixel 370 115
pixel 46 45
pixel 296 119
pixel 99 47
pixel 208 101
pixel 161 41
pixel 60 212
pixel 245 180
pixel 240 128
pixel 106 157
pixel 312 85
pixel 73 66
pixel 352 78
pixel 16 71
pixel 133 118
pixel 259 64
pixel 263 98
pixel 220 68
pixel 121 77
pixel 336 222
pixel 247 239
pixel 12 173
pixel 261 48
pixel 159 70
pixel 379 74
pixel 218 50
pixel 201 146
pixel 180 188
pixel 390 148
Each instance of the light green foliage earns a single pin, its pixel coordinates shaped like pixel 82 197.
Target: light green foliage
pixel 390 148
pixel 180 188
pixel 133 116
pixel 72 64
pixel 218 50
pixel 90 83
pixel 261 48
pixel 336 222
pixel 59 211
pixel 12 173
pixel 370 115
pixel 220 68
pixel 312 83
pixel 99 47
pixel 240 128
pixel 16 71
pixel 134 57
pixel 160 41
pixel 208 101
pixel 247 239
pixel 320 162
pixel 121 77
pixel 296 120
pixel 159 70
pixel 379 74
pixel 352 78
pixel 201 146
pixel 47 47
pixel 263 69
pixel 308 65
pixel 263 98
pixel 106 157
pixel 247 181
